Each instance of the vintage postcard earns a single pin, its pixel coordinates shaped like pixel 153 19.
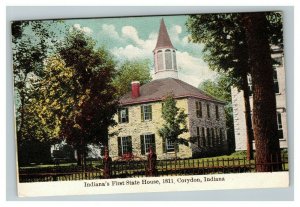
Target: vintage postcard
pixel 150 104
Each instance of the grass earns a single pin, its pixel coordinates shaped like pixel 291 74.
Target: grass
pixel 228 160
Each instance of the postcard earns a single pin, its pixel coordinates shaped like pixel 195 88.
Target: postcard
pixel 150 104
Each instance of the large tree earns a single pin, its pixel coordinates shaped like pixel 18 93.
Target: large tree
pixel 226 49
pixel 95 99
pixel 31 42
pixel 264 102
pixel 132 70
pixel 220 88
pixel 174 123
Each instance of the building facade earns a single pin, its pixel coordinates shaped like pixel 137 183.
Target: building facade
pixel 238 105
pixel 140 113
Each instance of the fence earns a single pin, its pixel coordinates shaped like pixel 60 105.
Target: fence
pixel 150 167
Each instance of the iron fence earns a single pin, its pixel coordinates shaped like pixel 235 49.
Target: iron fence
pixel 142 168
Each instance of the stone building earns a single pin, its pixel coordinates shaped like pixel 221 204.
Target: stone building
pixel 238 105
pixel 139 117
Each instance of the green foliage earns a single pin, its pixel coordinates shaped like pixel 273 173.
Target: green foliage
pixel 136 70
pixel 30 46
pixel 94 96
pixel 224 39
pixel 175 122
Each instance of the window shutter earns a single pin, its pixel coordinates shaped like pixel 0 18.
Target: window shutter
pixel 130 144
pixel 142 113
pixel 164 145
pixel 142 145
pixel 150 109
pixel 127 118
pixel 153 143
pixel 119 115
pixel 119 147
pixel 176 146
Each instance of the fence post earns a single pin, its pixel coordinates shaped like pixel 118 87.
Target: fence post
pixel 151 165
pixel 107 164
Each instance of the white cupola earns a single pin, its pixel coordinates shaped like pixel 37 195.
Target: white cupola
pixel 165 64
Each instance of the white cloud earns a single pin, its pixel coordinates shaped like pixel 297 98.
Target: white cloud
pixel 139 48
pixel 86 30
pixel 193 70
pixel 130 52
pixel 110 29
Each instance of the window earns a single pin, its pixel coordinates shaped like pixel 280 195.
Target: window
pixel 170 146
pixel 249 79
pixel 123 115
pixel 217 112
pixel 203 137
pixel 168 59
pixel 279 125
pixel 199 109
pixel 220 136
pixel 147 140
pixel 174 60
pixel 208 136
pixel 276 86
pixel 124 145
pixel 208 112
pixel 167 145
pixel 146 112
pixel 198 136
pixel 160 60
pixel 212 137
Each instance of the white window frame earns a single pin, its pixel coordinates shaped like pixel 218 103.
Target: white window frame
pixel 147 141
pixel 125 144
pixel 170 147
pixel 147 113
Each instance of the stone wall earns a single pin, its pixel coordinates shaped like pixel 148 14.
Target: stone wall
pixel 207 122
pixel 137 127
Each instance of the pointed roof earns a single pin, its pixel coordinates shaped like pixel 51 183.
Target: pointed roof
pixel 156 90
pixel 163 40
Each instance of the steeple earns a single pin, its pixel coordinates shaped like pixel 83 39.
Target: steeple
pixel 163 40
pixel 164 55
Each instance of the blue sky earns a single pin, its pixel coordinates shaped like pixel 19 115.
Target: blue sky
pixel 135 38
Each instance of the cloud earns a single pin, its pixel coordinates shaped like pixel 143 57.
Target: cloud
pixel 86 30
pixel 137 48
pixel 192 69
pixel 110 29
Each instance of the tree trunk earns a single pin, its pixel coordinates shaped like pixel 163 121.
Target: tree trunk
pixel 249 131
pixel 264 102
pixel 79 156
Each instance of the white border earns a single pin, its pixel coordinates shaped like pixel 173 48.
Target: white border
pixel 233 195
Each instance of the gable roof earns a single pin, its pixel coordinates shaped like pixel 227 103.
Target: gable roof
pixel 163 40
pixel 156 90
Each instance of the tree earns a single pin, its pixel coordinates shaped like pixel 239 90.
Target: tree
pixel 30 47
pixel 264 102
pixel 226 49
pixel 95 99
pixel 175 123
pixel 136 70
pixel 220 88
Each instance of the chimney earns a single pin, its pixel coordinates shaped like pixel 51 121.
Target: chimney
pixel 135 89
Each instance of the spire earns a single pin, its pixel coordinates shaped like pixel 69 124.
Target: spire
pixel 163 40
